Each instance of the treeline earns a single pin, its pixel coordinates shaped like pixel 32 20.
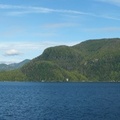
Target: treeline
pixel 12 75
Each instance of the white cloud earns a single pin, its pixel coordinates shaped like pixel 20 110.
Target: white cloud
pixel 21 10
pixel 12 52
pixel 16 48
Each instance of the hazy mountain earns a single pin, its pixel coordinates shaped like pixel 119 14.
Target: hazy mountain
pixel 5 67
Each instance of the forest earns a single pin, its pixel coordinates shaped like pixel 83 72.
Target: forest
pixel 89 61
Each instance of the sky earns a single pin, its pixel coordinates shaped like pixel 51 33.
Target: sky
pixel 28 27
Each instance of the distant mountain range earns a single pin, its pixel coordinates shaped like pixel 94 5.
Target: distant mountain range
pixel 13 66
pixel 91 60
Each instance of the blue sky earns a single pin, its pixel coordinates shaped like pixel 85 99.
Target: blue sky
pixel 27 27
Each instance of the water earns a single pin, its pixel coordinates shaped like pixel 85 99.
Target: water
pixel 59 101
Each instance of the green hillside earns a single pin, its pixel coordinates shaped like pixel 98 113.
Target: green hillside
pixel 13 75
pixel 92 60
pixel 101 59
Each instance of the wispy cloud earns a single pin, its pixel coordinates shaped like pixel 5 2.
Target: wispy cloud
pixel 21 10
pixel 105 29
pixel 114 2
pixel 59 25
pixel 16 10
pixel 22 47
pixel 4 46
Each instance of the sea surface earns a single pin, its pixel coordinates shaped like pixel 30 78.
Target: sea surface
pixel 59 101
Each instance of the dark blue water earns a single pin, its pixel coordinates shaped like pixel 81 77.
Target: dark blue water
pixel 59 101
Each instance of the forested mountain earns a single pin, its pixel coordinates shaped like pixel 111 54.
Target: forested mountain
pixel 91 60
pixel 13 66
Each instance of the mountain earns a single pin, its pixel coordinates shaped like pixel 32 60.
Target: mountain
pixel 101 59
pixel 55 64
pixel 89 61
pixel 13 66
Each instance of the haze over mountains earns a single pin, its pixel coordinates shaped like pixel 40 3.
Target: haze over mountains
pixel 13 66
pixel 91 60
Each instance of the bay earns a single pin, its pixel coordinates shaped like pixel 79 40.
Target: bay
pixel 59 101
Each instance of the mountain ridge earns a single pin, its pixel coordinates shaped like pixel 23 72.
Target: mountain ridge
pixel 13 66
pixel 88 61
